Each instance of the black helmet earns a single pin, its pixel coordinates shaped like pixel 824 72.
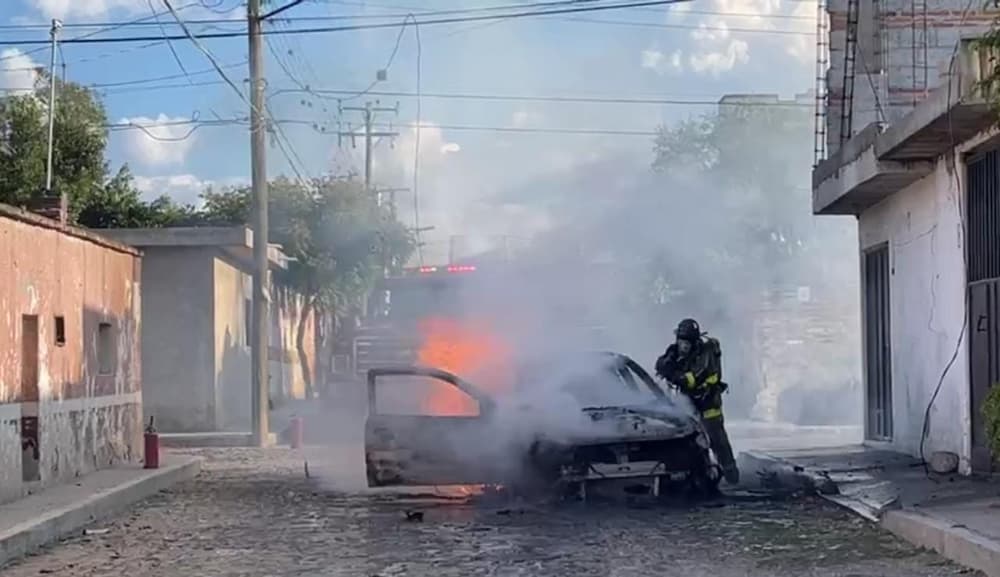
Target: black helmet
pixel 688 329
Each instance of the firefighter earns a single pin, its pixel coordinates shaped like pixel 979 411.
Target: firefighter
pixel 693 365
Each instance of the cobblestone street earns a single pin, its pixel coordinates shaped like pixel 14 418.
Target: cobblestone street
pixel 256 513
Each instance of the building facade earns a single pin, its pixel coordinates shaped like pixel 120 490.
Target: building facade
pixel 196 338
pixel 70 394
pixel 914 159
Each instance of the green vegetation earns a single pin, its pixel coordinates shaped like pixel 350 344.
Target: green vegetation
pixel 991 414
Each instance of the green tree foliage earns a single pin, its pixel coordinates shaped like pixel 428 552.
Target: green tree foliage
pixel 97 198
pixel 991 415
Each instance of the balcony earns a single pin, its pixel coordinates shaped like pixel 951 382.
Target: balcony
pixel 871 166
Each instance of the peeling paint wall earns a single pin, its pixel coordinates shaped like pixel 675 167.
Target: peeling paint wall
pixel 922 226
pixel 88 402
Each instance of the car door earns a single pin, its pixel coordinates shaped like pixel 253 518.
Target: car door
pixel 410 442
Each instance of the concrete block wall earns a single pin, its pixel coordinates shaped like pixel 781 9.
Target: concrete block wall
pixel 904 48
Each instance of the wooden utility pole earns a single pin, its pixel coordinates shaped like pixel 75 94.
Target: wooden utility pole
pixel 368 112
pixel 260 323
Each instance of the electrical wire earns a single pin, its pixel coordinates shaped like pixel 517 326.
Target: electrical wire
pixel 458 127
pixel 926 426
pixel 558 99
pixel 289 153
pixel 356 27
pixel 170 45
pixel 139 81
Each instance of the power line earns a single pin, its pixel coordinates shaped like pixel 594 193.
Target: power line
pixel 557 99
pixel 355 27
pixel 289 153
pixel 106 27
pixel 458 127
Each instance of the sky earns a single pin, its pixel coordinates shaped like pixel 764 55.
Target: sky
pixel 475 183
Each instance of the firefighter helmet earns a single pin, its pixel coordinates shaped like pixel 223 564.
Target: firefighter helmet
pixel 688 330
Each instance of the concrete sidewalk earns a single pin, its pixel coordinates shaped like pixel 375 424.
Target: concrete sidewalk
pixel 38 520
pixel 959 517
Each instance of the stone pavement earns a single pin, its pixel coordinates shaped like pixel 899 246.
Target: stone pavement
pixel 59 511
pixel 957 516
pixel 256 513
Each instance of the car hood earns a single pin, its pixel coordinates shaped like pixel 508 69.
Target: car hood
pixel 634 423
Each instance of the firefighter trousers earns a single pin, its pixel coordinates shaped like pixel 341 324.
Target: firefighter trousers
pixel 716 429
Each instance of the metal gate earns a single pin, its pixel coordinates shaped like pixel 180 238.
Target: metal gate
pixel 983 242
pixel 878 357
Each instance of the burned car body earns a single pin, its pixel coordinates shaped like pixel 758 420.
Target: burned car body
pixel 560 435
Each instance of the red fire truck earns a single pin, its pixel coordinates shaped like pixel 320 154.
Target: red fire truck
pixel 389 335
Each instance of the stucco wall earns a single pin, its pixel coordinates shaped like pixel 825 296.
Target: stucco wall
pixel 86 419
pixel 177 343
pixel 922 227
pixel 232 354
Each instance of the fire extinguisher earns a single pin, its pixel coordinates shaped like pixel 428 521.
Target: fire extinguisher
pixel 152 440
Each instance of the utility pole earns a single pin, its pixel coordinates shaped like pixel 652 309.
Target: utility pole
pixel 260 322
pixel 392 197
pixel 54 33
pixel 368 112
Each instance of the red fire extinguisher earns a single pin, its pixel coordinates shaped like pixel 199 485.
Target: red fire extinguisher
pixel 152 440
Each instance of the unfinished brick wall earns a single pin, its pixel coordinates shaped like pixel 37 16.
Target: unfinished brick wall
pixel 903 53
pixel 808 348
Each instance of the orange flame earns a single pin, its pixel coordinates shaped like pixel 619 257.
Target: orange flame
pixel 469 351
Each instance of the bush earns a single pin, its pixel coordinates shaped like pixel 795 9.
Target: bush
pixel 991 414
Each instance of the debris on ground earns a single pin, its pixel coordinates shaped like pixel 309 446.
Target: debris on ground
pixel 93 532
pixel 414 516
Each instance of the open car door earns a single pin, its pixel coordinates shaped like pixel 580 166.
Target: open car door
pixel 425 427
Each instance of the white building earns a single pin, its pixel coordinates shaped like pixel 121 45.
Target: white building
pixel 924 188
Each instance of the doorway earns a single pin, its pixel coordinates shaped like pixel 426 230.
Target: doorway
pixel 983 264
pixel 30 446
pixel 878 352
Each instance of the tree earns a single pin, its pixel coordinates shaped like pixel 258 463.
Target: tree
pixel 338 238
pixel 96 197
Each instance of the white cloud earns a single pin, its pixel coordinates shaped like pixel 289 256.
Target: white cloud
pixel 161 141
pixel 18 72
pixel 677 60
pixel 719 61
pixel 714 50
pixel 524 117
pixel 88 9
pixel 651 59
pixel 803 48
pixel 182 188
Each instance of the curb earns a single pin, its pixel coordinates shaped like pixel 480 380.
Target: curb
pixel 211 440
pixel 952 541
pixel 53 525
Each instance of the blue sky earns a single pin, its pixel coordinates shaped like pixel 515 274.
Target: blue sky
pixel 696 51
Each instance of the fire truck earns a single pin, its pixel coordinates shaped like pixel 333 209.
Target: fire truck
pixel 389 333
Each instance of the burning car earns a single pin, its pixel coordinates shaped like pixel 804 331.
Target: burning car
pixel 567 424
